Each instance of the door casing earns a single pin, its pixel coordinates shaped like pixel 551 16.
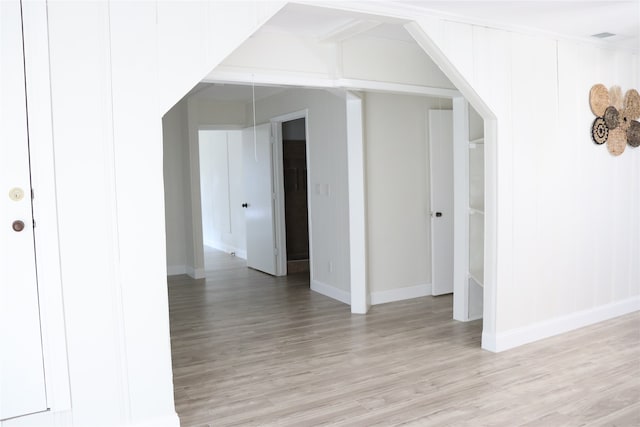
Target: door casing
pixel 278 183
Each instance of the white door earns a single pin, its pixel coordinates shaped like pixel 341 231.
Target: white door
pixel 22 386
pixel 259 198
pixel 441 167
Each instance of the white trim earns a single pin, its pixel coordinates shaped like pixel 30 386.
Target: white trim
pixel 175 270
pixel 40 130
pixel 226 74
pixel 48 418
pixel 502 341
pixel 360 298
pixel 170 420
pixel 399 294
pixel 331 292
pixel 374 86
pixel 196 273
pixel 460 211
pixel 278 183
pixel 220 246
pixel 490 171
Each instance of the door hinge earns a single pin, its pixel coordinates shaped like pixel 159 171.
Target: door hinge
pixel 275 251
pixel 33 194
pixel 34 223
pixel 274 196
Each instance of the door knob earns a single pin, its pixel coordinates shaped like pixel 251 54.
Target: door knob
pixel 438 214
pixel 245 205
pixel 17 226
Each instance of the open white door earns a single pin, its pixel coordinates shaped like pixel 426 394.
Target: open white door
pixel 441 167
pixel 22 383
pixel 259 198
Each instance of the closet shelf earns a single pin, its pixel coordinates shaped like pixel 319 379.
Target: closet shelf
pixel 474 277
pixel 474 142
pixel 474 211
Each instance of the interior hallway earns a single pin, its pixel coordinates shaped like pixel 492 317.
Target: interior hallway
pixel 251 349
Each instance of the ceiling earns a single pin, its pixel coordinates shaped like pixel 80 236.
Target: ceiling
pixel 574 19
pixel 570 19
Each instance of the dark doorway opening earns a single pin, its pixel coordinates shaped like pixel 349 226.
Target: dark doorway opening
pixel 294 161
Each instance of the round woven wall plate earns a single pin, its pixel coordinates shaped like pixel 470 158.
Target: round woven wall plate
pixel 599 99
pixel 611 117
pixel 633 134
pixel 615 97
pixel 617 141
pixel 632 104
pixel 599 131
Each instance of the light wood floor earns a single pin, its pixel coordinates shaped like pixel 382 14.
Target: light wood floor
pixel 253 350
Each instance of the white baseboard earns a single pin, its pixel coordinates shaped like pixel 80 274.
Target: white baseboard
pixel 196 273
pixel 516 337
pixel 171 420
pixel 65 419
pixel 240 253
pixel 39 419
pixel 331 292
pixel 399 294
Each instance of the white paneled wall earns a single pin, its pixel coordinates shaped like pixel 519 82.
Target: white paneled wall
pixel 193 37
pixel 566 208
pixel 115 68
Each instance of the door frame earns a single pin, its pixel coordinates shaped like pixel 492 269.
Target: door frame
pixel 278 185
pixel 43 183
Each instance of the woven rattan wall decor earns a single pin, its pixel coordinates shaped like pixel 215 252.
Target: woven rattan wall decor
pixel 616 122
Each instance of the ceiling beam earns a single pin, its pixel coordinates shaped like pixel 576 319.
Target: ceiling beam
pixel 348 30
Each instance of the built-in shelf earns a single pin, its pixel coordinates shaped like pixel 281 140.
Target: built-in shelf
pixel 469 201
pixel 475 211
pixel 475 279
pixel 476 178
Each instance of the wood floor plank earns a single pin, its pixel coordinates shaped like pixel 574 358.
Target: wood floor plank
pixel 254 350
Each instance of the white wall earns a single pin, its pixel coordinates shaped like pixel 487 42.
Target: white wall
pixel 218 113
pixel 222 191
pixel 398 192
pixel 115 68
pixel 385 60
pixel 567 210
pixel 182 180
pixel 178 226
pixel 326 128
